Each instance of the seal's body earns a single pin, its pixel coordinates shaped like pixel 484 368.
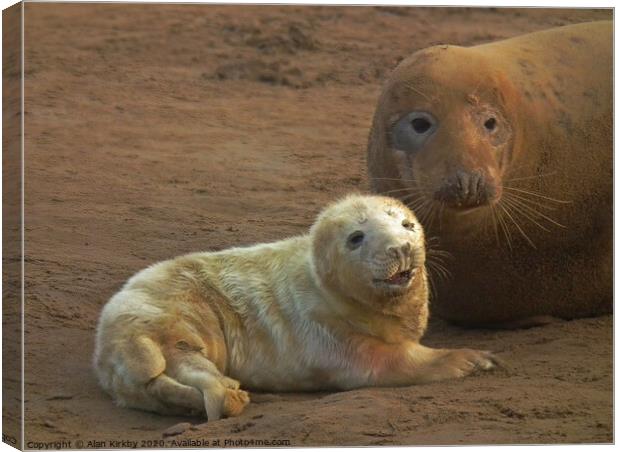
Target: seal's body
pixel 340 308
pixel 504 150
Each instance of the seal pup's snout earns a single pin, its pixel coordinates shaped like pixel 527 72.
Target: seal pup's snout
pixel 408 261
pixel 399 251
pixel 466 190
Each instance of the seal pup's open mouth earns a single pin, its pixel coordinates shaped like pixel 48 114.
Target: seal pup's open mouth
pixel 399 278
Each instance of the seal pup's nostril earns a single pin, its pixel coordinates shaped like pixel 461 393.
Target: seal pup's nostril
pixel 407 257
pixel 395 252
pixel 402 253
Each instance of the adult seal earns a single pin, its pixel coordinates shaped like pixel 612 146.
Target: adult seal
pixel 342 307
pixel 504 151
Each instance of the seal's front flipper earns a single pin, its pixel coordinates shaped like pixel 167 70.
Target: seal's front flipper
pixel 420 364
pixel 457 363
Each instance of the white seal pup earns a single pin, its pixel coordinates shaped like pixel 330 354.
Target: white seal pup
pixel 342 307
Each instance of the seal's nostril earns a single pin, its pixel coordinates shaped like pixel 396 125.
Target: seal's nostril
pixel 490 123
pixel 465 189
pixel 463 183
pixel 399 251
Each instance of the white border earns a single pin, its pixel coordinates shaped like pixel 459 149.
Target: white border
pixel 474 3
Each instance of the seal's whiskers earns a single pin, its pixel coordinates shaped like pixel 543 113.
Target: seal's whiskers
pixel 398 179
pixel 399 190
pixel 493 218
pixel 508 211
pixel 416 203
pixel 504 227
pixel 537 176
pixel 523 205
pixel 523 210
pixel 535 201
pixel 537 195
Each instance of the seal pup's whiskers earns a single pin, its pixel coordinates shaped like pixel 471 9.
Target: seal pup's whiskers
pixel 436 264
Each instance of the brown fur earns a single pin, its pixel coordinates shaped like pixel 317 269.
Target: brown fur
pixel 552 94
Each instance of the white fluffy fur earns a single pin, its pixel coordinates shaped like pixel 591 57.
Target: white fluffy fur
pixel 307 313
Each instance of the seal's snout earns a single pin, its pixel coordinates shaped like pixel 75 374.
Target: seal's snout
pixel 466 189
pixel 406 261
pixel 399 251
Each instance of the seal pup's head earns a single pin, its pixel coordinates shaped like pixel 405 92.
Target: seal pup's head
pixel 444 127
pixel 368 248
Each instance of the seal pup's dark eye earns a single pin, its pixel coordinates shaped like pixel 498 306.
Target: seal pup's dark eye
pixel 490 124
pixel 408 225
pixel 355 239
pixel 421 125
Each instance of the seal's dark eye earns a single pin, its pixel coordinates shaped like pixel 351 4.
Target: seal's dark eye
pixel 355 239
pixel 490 124
pixel 408 225
pixel 421 125
pixel 412 130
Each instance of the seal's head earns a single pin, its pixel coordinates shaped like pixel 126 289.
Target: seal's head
pixel 368 248
pixel 444 127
